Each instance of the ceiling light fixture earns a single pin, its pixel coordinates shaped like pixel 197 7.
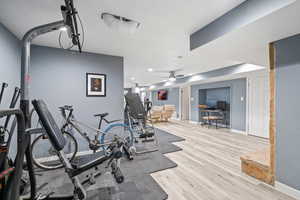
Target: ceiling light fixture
pixel 152 87
pixel 172 79
pixel 132 78
pixel 150 70
pixel 119 23
pixel 137 90
pixel 63 29
pixel 168 83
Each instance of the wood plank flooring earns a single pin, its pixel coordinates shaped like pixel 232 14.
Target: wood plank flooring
pixel 209 167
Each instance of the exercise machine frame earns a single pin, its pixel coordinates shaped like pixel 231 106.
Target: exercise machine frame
pixel 137 120
pixel 58 142
pixel 3 87
pixel 69 21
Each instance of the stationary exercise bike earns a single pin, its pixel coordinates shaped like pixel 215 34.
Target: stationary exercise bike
pixel 95 137
pixel 11 188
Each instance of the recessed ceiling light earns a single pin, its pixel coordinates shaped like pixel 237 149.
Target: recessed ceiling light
pixel 132 78
pixel 150 70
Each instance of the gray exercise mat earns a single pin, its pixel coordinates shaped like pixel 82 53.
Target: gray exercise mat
pixel 138 184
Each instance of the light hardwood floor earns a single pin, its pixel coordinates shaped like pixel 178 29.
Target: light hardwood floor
pixel 209 167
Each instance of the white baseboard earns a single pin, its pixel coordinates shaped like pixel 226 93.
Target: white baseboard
pixel 174 118
pixel 238 131
pixel 193 122
pixel 287 190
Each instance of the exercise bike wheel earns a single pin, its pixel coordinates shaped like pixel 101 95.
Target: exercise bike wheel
pixel 121 131
pixel 45 157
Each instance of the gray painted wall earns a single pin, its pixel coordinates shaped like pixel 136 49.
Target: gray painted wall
pixel 59 77
pixel 244 14
pixel 10 56
pixel 238 89
pixel 287 111
pixel 173 98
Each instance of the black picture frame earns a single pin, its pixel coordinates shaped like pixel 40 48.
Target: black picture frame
pixel 93 84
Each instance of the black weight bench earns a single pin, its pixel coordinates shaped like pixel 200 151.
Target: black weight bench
pixel 58 142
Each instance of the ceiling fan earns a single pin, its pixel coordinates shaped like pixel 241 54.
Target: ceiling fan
pixel 173 76
pixel 137 85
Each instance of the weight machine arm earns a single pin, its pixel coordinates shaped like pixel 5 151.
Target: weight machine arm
pixel 69 22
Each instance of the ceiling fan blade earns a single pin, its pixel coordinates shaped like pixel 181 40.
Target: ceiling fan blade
pixel 169 71
pixel 164 77
pixel 162 71
pixel 177 70
pixel 180 76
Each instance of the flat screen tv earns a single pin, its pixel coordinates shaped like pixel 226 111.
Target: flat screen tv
pixel 162 95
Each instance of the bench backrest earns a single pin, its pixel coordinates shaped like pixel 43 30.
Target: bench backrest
pixel 47 121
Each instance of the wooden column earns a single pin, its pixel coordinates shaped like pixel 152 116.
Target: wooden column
pixel 272 128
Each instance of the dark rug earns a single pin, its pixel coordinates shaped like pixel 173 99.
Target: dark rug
pixel 138 184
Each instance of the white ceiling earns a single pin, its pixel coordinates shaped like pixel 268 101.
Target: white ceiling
pixel 164 33
pixel 248 44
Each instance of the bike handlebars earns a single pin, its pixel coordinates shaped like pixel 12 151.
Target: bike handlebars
pixel 66 107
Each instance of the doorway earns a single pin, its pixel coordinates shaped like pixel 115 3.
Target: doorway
pixel 185 103
pixel 258 106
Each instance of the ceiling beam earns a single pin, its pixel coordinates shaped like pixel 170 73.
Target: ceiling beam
pixel 244 14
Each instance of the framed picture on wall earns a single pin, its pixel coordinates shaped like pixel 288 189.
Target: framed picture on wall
pixel 95 85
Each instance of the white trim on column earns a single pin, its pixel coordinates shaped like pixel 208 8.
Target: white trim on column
pixel 190 105
pixel 180 103
pixel 247 104
pixel 287 190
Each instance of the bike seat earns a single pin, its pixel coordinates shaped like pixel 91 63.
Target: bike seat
pixel 101 115
pixel 66 107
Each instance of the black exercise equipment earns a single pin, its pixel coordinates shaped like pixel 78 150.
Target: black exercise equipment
pixel 6 165
pixel 4 85
pixel 69 15
pixel 13 103
pixel 10 191
pixel 137 119
pixel 69 21
pixel 58 142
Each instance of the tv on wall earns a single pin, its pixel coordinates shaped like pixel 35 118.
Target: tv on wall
pixel 162 95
